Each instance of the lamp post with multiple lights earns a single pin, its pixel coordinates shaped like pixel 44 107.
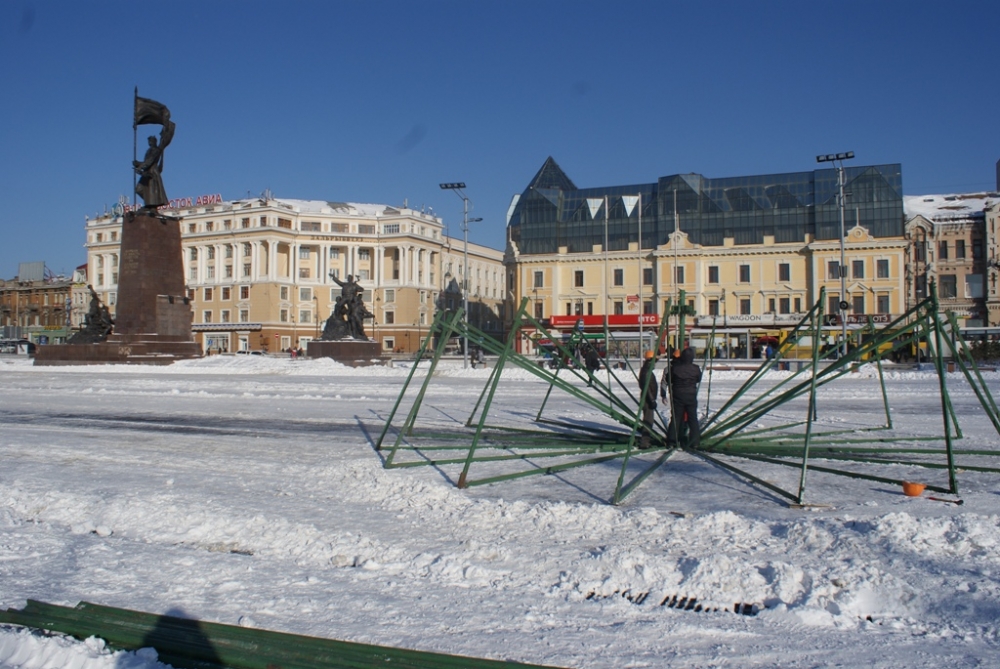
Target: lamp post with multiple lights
pixel 459 188
pixel 838 160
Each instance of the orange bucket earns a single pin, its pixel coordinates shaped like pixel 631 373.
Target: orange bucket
pixel 911 489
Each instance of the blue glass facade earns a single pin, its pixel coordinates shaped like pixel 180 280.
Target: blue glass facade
pixel 552 212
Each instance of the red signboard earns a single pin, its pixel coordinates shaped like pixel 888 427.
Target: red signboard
pixel 614 320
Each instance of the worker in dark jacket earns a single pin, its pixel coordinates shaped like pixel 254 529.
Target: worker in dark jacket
pixel 684 379
pixel 647 375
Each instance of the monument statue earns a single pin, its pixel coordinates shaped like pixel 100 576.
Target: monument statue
pixel 150 168
pixel 97 324
pixel 349 313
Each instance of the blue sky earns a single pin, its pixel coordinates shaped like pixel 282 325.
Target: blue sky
pixel 381 100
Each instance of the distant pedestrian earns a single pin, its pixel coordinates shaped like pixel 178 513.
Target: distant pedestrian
pixel 480 357
pixel 592 359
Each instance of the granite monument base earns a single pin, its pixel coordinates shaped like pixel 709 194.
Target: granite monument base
pixel 153 314
pixel 350 352
pixel 119 350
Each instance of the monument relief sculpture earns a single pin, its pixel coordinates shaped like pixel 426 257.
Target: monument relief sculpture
pixel 97 324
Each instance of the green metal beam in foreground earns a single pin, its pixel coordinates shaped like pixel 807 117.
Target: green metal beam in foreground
pixel 744 427
pixel 193 644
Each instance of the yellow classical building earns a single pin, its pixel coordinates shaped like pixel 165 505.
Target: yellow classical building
pixel 262 273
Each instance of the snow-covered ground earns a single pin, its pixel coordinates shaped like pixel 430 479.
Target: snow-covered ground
pixel 245 490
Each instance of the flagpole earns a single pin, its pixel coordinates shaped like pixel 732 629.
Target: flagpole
pixel 607 339
pixel 135 101
pixel 641 303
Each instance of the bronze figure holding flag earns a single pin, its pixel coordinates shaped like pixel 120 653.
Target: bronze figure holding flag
pixel 150 168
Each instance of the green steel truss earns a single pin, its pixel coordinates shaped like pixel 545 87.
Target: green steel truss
pixel 746 426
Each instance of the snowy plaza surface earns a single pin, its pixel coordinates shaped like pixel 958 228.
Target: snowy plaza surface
pixel 246 490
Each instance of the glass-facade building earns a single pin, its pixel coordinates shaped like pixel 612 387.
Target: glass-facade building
pixel 552 212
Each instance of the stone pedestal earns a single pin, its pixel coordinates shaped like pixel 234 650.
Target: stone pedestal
pixel 153 315
pixel 351 352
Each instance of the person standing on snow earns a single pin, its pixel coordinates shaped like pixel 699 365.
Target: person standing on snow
pixel 648 389
pixel 684 379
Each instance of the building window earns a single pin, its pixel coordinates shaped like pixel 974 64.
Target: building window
pixel 247 249
pixel 960 249
pixel 244 222
pixel 263 221
pixel 224 316
pixel 390 295
pixel 304 272
pixel 305 316
pixel 539 280
pixel 949 287
pixel 283 316
pixel 283 293
pixel 578 278
pixel 883 304
pixel 194 253
pixel 364 254
pixel 246 269
pixel 311 226
pixel 784 305
pixel 209 226
pixel 284 223
pixel 229 271
pixel 648 307
pixel 619 308
pixel 744 304
pixel 647 276
pixel 977 249
pixel 745 274
pixel 390 229
pixel 770 305
pixel 713 307
pixel 211 252
pixel 362 275
pixel 206 317
pixel 858 269
pixel 619 277
pixel 942 250
pixel 798 305
pixel 882 269
pixel 389 343
pixel 784 272
pixel 858 304
pixel 539 311
pixel 833 270
pixel 244 315
pixel 210 272
pixel 226 293
pixel 208 294
pixel 833 304
pixel 192 228
pixel 679 274
pixel 366 229
pixel 303 253
pixel 305 294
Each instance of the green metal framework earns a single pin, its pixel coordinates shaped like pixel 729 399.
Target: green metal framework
pixel 742 428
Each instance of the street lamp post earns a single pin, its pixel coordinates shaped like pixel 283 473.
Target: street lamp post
pixel 838 159
pixel 459 187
